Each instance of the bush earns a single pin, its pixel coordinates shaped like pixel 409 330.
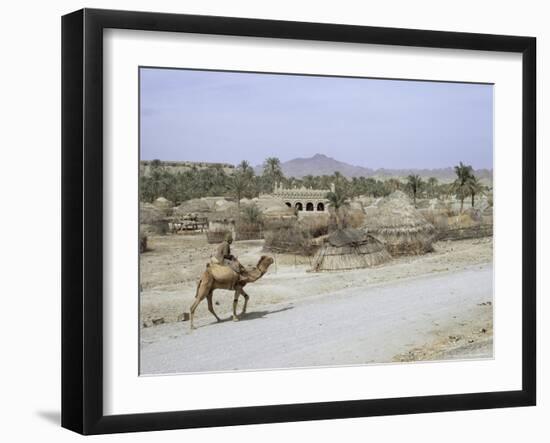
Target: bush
pixel 248 231
pixel 251 215
pixel 289 237
pixel 316 226
pixel 354 219
pixel 250 224
pixel 142 243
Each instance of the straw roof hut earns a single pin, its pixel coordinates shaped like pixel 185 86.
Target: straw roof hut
pixel 149 214
pixel 196 206
pixel 400 226
pixel 152 219
pixel 273 207
pixel 349 249
pixel 163 203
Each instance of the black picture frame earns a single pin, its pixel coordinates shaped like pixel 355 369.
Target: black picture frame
pixel 82 218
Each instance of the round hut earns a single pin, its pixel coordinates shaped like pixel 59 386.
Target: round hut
pixel 274 208
pixel 349 249
pixel 163 203
pixel 196 206
pixel 400 226
pixel 152 219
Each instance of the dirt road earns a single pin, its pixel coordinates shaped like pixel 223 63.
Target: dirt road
pixel 445 315
pixel 169 274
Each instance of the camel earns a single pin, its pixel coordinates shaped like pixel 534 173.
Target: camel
pixel 223 277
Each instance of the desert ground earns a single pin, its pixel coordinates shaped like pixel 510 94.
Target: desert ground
pixel 431 307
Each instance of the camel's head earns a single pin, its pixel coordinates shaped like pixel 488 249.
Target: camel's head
pixel 265 262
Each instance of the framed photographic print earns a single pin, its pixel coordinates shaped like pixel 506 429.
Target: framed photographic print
pixel 268 221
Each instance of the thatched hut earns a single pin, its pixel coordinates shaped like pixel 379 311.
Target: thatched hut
pixel 273 208
pixel 163 203
pixel 196 206
pixel 349 249
pixel 400 226
pixel 152 219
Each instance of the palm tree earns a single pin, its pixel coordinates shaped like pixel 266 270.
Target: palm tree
pixel 272 171
pixel 245 168
pixel 370 186
pixel 460 186
pixel 338 200
pixel 474 187
pixel 432 184
pixel 252 214
pixel 309 181
pixel 414 183
pixel 243 180
pixel 156 174
pixel 239 185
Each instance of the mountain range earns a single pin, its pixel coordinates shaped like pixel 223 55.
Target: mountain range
pixel 321 164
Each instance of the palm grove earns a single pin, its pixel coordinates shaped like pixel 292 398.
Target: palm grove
pixel 243 182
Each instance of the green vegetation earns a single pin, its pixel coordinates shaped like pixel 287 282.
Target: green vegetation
pixel 251 214
pixel 414 184
pixel 338 200
pixel 244 183
pixel 466 184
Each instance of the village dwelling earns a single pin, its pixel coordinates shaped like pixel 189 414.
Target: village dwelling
pixel 401 227
pixel 304 200
pixel 349 249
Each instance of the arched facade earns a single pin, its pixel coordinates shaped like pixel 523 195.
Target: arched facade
pixel 304 200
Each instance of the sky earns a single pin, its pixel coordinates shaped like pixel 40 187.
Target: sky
pixel 227 117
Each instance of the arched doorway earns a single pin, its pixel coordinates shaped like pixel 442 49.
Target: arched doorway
pixel 320 206
pixel 288 204
pixel 309 206
pixel 299 206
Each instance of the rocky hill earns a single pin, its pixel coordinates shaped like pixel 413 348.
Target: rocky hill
pixel 321 164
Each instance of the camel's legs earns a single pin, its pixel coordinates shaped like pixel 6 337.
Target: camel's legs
pixel 204 287
pixel 210 306
pixel 198 299
pixel 245 301
pixel 235 301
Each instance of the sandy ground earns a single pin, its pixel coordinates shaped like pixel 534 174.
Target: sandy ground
pixel 171 268
pixel 355 325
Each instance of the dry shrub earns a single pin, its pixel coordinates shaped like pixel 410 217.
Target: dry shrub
pixel 249 224
pixel 248 231
pixel 316 225
pixel 272 223
pixel 354 219
pixel 142 242
pixel 464 220
pixel 289 237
